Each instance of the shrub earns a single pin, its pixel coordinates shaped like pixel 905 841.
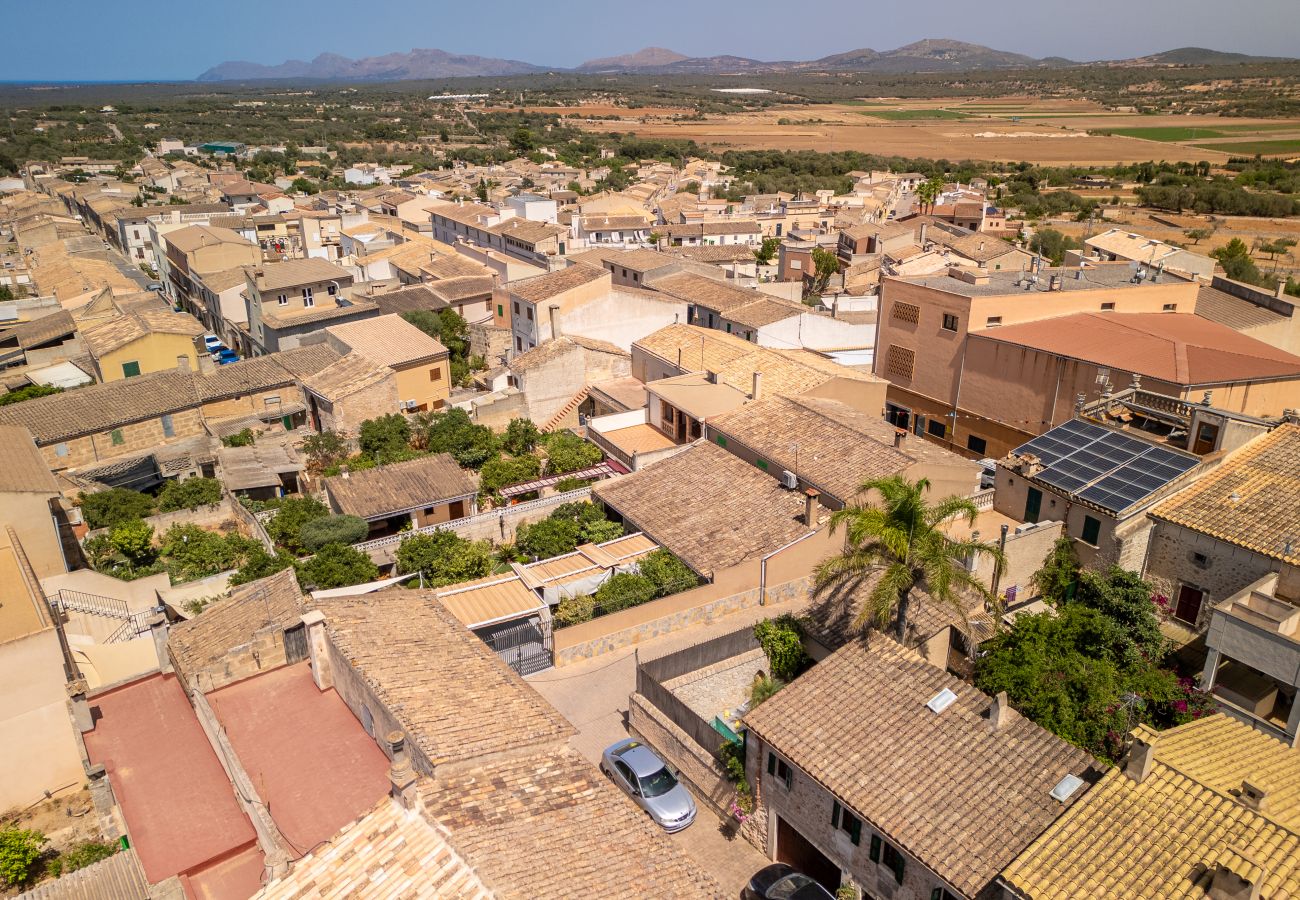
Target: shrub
pixel 453 432
pixel 763 688
pixel 593 527
pixel 547 538
pixel 564 485
pixel 133 539
pixel 239 439
pixel 260 564
pixel 294 512
pixel 386 438
pixel 781 640
pixel 335 566
pixel 574 611
pixel 86 853
pixel 521 437
pixel 325 449
pixel 316 533
pixel 19 851
pixel 444 557
pixel 566 452
pixel 501 471
pixel 623 591
pixel 191 552
pixel 108 508
pixel 189 494
pixel 29 392
pixel 669 574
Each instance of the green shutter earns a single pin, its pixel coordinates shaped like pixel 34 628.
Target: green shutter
pixel 762 464
pixel 500 311
pixel 855 830
pixel 722 441
pixel 899 863
pixel 116 435
pixel 835 814
pixel 130 369
pixel 874 851
pixel 771 757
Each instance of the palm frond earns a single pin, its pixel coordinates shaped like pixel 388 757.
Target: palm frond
pixel 882 601
pixel 952 509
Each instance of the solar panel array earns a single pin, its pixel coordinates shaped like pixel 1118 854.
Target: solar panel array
pixel 1104 467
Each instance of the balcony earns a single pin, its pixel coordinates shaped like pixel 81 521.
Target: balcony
pixel 630 439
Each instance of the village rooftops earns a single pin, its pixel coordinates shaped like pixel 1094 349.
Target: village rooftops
pixel 303 316
pixel 1176 348
pixel 958 790
pixel 192 237
pixel 22 468
pixel 1252 500
pixel 1210 800
pixel 111 334
pixel 400 487
pixel 710 508
pixel 1009 281
pixel 274 276
pixel 44 330
pixel 388 340
pixel 553 284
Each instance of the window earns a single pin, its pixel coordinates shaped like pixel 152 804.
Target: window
pixel 500 310
pixel 625 273
pixel 845 821
pixel 935 428
pixel 130 369
pixel 1107 306
pixel 900 362
pixel 906 312
pixel 307 295
pixel 519 344
pixel 1170 307
pixel 728 328
pixel 893 860
pixel 993 322
pixel 530 313
pixel 116 437
pixel 168 426
pixel 1091 530
pixel 949 322
pixel 796 263
pixel 874 851
pixel 516 305
pixel 779 769
pixel 976 444
pixel 273 400
pixel 333 289
pixel 435 374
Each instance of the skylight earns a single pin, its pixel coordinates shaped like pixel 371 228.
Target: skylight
pixel 941 701
pixel 1066 787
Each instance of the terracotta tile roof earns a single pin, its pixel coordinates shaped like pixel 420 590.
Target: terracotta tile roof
pixel 293 272
pixel 556 348
pixel 1251 500
pixel 713 293
pixel 632 260
pixel 105 337
pixel 1234 312
pixel 192 237
pixel 119 877
pixel 400 487
pixel 388 340
pixel 260 373
pixel 1178 348
pixel 100 407
pixel 318 314
pixel 302 360
pixel 409 299
pixel 614 223
pixel 710 508
pixel 22 467
pixel 453 696
pixel 1152 840
pixel 204 640
pixel 352 373
pixel 552 284
pixel 528 230
pixel 949 789
pixel 45 329
pixel 413 855
pixel 548 825
pixel 462 287
pixel 721 253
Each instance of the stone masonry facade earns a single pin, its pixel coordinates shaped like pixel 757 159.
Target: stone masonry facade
pixel 1179 556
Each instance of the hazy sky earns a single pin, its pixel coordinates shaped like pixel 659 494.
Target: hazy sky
pixel 130 39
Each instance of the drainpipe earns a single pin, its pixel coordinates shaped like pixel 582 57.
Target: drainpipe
pixel 997 566
pixel 762 566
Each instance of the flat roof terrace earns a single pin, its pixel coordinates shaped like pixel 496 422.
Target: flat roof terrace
pixel 313 763
pixel 179 806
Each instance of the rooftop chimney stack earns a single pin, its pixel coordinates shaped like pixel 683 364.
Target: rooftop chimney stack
pixel 317 651
pixel 757 392
pixel 999 711
pixel 810 507
pixel 554 310
pixel 1253 796
pixel 401 777
pixel 1140 757
pixel 158 629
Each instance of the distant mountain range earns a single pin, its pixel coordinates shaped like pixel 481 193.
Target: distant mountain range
pixel 931 55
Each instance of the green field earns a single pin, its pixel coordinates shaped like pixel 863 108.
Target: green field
pixel 1172 133
pixel 1252 148
pixel 912 115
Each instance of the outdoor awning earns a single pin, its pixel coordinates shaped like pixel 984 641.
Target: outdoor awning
pixel 490 600
pixel 603 470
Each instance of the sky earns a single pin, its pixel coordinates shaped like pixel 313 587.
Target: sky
pixel 71 40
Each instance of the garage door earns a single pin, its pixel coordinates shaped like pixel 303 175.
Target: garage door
pixel 794 849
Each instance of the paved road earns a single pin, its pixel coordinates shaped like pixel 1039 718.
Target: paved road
pixel 593 696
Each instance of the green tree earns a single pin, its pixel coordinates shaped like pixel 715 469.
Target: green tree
pixel 782 641
pixel 386 438
pixel 566 452
pixel 453 432
pixel 547 538
pixel 303 186
pixel 901 540
pixel 593 527
pixel 523 142
pixel 668 573
pixel 1052 244
pixel 1125 599
pixel 292 513
pixel 575 610
pixel 1058 578
pixel 623 590
pixel 502 471
pixel 346 530
pixel 444 557
pixel 1196 235
pixel 521 437
pixel 241 438
pixel 29 391
pixel 1234 256
pixel 825 265
pixel 19 851
pixel 114 506
pixel 928 193
pixel 766 251
pixel 192 552
pixel 260 564
pixel 188 494
pixel 134 540
pixel 324 450
pixel 336 566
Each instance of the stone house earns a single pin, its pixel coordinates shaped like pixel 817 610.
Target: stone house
pixel 554 378
pixel 413 493
pixel 348 392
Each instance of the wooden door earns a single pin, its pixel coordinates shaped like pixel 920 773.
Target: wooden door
pixel 1188 608
pixel 1033 505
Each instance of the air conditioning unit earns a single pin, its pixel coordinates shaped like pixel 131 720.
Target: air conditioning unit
pixel 408 404
pixel 789 480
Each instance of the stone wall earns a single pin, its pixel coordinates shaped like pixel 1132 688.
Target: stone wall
pixel 1222 570
pixel 693 763
pixel 666 615
pixel 492 342
pixel 265 651
pixel 136 437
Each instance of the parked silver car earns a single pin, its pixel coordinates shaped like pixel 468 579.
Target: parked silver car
pixel 636 769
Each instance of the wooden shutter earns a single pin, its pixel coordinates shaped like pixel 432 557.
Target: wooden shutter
pixel 874 851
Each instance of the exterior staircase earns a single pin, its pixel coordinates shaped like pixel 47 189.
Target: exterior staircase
pixel 132 624
pixel 575 401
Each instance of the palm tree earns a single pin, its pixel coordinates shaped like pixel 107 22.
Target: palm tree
pixel 901 540
pixel 928 192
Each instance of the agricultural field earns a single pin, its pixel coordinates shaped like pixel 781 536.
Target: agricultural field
pixel 1287 148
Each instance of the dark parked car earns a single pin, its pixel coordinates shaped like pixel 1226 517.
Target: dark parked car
pixel 781 882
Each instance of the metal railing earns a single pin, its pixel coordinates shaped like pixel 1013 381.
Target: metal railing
pixel 133 627
pixel 479 519
pixel 91 604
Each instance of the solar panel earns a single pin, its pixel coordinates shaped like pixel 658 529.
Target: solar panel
pixel 1107 468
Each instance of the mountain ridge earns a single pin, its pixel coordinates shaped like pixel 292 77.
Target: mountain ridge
pixel 928 55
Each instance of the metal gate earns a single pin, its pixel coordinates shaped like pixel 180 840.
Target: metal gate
pixel 295 644
pixel 524 646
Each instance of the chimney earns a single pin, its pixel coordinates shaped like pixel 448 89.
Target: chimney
pixel 713 376
pixel 1280 292
pixel 158 629
pixel 183 363
pixel 1000 711
pixel 1253 796
pixel 401 777
pixel 554 310
pixel 757 392
pixel 810 507
pixel 925 230
pixel 344 471
pixel 1054 283
pixel 1229 885
pixel 314 623
pixel 81 716
pixel 1140 757
pixel 898 439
